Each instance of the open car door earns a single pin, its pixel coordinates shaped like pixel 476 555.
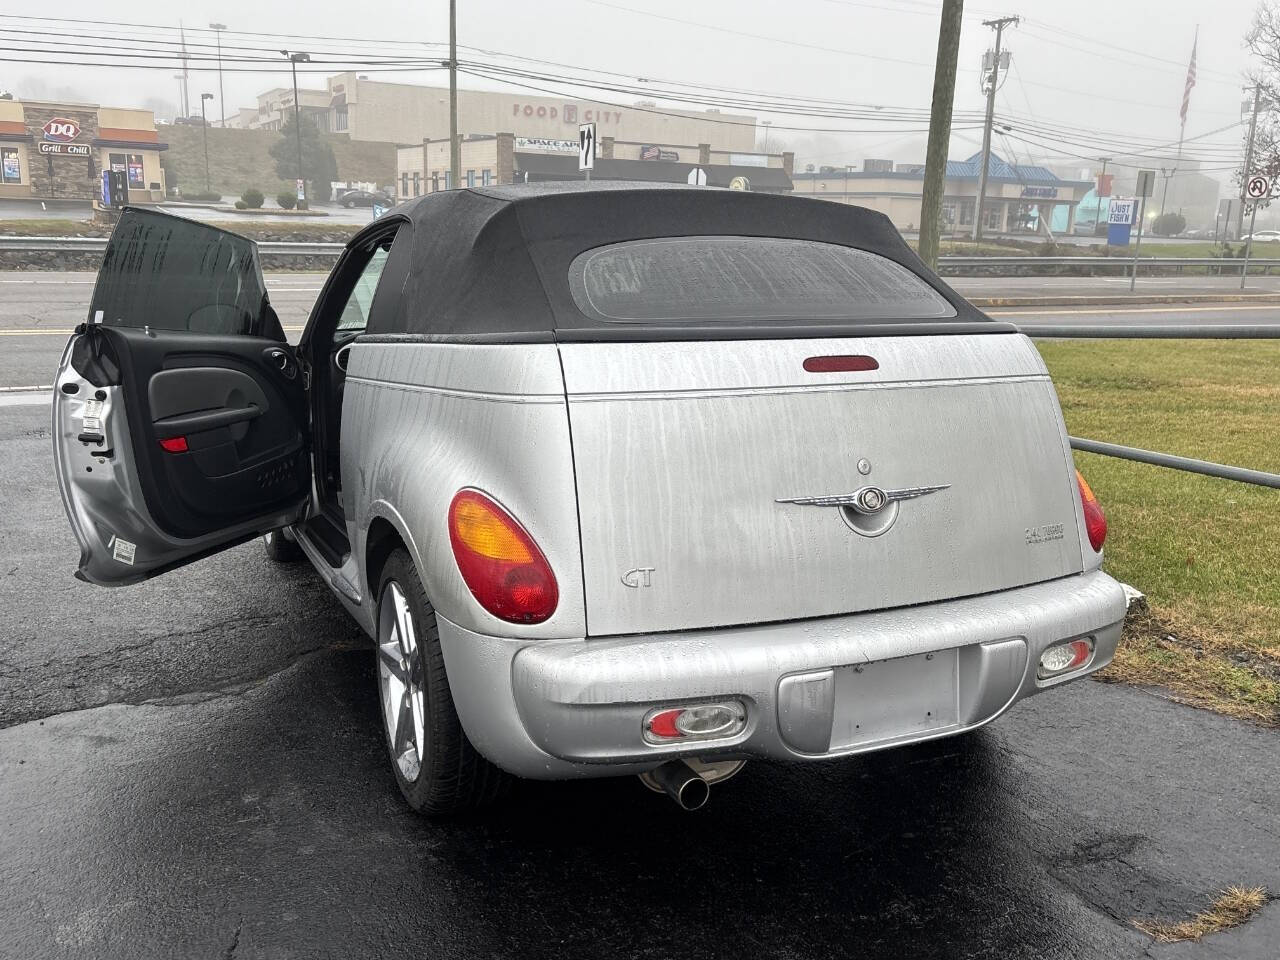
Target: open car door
pixel 179 411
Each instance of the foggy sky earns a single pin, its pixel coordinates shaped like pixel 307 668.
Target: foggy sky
pixel 1061 81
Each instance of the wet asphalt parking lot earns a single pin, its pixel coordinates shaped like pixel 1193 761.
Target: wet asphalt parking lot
pixel 193 767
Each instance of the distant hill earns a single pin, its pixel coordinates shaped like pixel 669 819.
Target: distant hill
pixel 238 159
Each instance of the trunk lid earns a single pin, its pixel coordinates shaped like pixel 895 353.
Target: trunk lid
pixel 683 451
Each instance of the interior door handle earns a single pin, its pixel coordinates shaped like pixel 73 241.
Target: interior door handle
pixel 186 423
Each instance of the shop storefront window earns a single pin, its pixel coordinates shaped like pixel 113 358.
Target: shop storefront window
pixel 136 178
pixel 417 184
pixel 404 185
pixel 488 177
pixel 10 168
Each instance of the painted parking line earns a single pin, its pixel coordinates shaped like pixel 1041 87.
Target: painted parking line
pixel 25 398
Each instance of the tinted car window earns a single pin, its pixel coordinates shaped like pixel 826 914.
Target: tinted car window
pixel 174 274
pixel 355 314
pixel 723 278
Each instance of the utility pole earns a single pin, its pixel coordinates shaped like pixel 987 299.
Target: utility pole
pixel 993 82
pixel 1248 155
pixel 1165 195
pixel 294 60
pixel 935 160
pixel 455 145
pixel 222 97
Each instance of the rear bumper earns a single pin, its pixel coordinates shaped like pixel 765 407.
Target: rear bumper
pixel 812 689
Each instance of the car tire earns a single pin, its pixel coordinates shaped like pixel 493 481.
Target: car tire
pixel 349 205
pixel 438 770
pixel 280 548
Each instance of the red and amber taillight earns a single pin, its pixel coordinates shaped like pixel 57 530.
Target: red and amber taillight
pixel 1095 521
pixel 499 562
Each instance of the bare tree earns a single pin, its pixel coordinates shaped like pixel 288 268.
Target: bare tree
pixel 1263 41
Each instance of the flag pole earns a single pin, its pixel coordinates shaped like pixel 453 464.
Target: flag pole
pixel 1186 91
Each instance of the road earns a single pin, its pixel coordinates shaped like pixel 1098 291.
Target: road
pixel 193 767
pixel 38 310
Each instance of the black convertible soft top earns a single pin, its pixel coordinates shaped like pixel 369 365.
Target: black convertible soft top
pixel 493 263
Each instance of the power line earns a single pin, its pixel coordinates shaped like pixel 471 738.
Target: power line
pixel 757 36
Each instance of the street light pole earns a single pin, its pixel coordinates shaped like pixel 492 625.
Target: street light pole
pixel 204 127
pixel 993 82
pixel 294 60
pixel 222 97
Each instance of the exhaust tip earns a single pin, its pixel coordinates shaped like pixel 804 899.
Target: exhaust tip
pixel 683 784
pixel 694 794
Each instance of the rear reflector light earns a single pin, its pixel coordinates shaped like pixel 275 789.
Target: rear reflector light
pixel 174 444
pixel 1095 521
pixel 840 364
pixel 499 562
pixel 1064 657
pixel 703 721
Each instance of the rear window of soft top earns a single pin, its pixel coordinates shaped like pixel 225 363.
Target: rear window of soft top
pixel 697 280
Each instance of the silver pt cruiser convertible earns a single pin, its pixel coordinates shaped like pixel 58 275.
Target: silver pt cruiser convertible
pixel 620 479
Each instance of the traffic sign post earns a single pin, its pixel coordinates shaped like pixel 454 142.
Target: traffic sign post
pixel 587 149
pixel 1256 189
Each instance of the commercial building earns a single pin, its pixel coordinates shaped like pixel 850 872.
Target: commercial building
pixel 57 151
pixel 507 158
pixel 276 105
pixel 1019 197
pixel 410 113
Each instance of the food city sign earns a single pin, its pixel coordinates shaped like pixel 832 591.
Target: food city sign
pixel 59 132
pixel 569 113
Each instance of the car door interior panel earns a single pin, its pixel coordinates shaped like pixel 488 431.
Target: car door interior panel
pixel 217 424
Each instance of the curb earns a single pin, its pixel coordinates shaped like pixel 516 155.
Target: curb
pixel 1108 300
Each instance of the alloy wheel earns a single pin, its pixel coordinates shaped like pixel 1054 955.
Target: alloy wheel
pixel 400 676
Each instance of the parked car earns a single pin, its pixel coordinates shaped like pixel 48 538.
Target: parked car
pixel 1263 236
pixel 365 198
pixel 618 478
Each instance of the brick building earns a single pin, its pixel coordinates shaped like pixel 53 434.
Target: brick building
pixel 57 151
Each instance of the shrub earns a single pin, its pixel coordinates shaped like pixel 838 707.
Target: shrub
pixel 287 199
pixel 203 197
pixel 253 198
pixel 241 205
pixel 1168 224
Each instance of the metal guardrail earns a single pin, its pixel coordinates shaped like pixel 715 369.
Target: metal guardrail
pixel 99 245
pixel 1189 331
pixel 1119 263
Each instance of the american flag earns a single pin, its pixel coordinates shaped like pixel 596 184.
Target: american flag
pixel 1191 80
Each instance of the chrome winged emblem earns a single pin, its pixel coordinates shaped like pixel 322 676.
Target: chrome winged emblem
pixel 866 500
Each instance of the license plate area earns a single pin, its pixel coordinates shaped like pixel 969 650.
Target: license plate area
pixel 899 699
